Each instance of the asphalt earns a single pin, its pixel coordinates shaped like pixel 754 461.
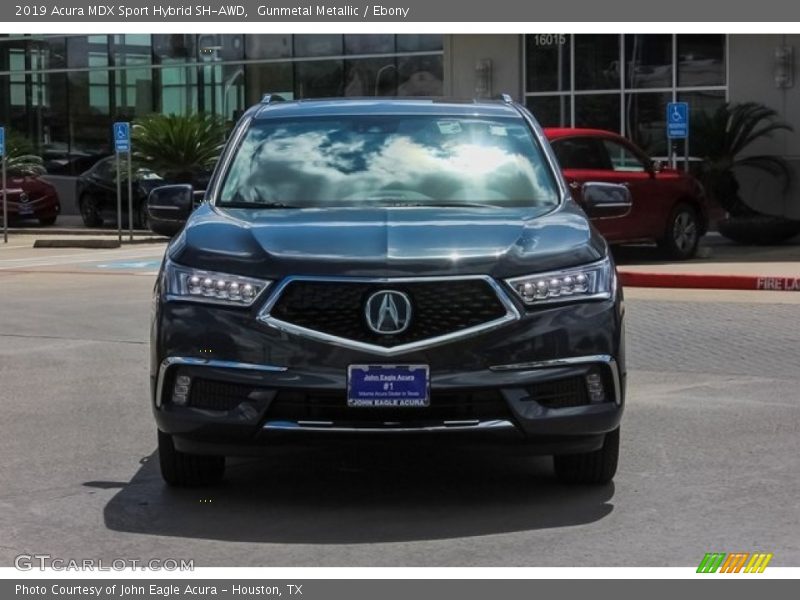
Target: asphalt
pixel 710 447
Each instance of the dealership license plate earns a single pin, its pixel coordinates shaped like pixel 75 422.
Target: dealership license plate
pixel 25 210
pixel 392 386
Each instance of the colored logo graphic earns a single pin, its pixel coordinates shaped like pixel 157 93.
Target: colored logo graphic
pixel 737 562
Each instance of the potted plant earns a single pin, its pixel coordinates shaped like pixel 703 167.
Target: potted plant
pixel 20 158
pixel 720 138
pixel 182 149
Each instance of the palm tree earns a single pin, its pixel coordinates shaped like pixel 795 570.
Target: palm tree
pixel 20 158
pixel 179 148
pixel 721 137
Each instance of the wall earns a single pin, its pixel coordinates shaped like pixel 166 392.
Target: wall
pixel 462 52
pixel 752 78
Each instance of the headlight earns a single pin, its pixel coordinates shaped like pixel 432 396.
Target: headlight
pixel 184 283
pixel 590 282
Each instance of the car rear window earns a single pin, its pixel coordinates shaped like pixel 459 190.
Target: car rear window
pixel 388 160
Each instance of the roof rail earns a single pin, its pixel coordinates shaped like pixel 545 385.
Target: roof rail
pixel 270 98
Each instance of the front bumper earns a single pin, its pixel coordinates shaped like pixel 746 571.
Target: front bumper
pixel 230 346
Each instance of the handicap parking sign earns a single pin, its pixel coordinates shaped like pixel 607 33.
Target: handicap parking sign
pixel 2 141
pixel 677 120
pixel 122 137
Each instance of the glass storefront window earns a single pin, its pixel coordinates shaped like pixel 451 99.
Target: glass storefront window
pixel 420 43
pixel 701 60
pixel 599 111
pixel 597 62
pixel 547 65
pixel 645 120
pixel 272 78
pixel 368 44
pixel 648 61
pixel 176 48
pixel 48 53
pixel 178 90
pixel 317 45
pixel 87 51
pixel 550 111
pixel 657 69
pixel 217 47
pixel 420 76
pixel 268 46
pixel 318 79
pixel 370 77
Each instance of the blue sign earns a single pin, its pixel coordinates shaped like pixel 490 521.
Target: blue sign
pixel 2 141
pixel 122 137
pixel 678 120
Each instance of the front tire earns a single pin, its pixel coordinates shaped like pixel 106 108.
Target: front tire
pixel 682 235
pixel 592 468
pixel 179 469
pixel 89 211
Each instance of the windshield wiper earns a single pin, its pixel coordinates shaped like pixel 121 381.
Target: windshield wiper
pixel 255 205
pixel 238 201
pixel 447 204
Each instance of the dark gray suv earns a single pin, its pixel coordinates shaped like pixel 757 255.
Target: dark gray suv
pixel 402 269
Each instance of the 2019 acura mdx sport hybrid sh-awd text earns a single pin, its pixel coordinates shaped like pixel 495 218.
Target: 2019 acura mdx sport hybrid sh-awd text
pixel 399 268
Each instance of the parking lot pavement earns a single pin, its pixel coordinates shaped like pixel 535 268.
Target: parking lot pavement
pixel 709 452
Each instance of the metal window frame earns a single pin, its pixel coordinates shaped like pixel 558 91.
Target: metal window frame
pixel 622 91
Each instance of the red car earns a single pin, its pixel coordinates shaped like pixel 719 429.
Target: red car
pixel 669 206
pixel 31 198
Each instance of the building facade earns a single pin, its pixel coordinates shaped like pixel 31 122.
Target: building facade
pixel 63 92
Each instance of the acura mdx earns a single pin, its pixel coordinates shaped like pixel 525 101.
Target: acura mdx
pixel 406 269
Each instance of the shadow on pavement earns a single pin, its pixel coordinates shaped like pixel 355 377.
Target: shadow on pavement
pixel 334 495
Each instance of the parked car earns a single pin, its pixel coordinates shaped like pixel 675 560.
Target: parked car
pixel 388 267
pixel 32 198
pixel 97 194
pixel 669 206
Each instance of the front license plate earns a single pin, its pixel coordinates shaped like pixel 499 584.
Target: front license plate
pixel 25 210
pixel 393 386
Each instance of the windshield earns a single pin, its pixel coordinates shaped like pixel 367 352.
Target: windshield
pixel 391 160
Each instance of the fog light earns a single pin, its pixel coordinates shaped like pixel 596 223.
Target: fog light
pixel 180 392
pixel 594 385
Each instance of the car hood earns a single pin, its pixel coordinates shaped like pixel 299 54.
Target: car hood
pixel 386 242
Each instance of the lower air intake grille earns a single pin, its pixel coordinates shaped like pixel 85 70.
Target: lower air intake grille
pixel 332 406
pixel 561 393
pixel 217 395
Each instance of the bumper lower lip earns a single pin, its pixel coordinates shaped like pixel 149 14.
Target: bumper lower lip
pixel 330 426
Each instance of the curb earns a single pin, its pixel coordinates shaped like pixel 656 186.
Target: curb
pixel 710 281
pixel 75 231
pixel 94 243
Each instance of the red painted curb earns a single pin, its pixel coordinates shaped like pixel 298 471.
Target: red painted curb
pixel 708 281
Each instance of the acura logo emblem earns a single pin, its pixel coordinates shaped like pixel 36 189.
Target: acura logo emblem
pixel 388 312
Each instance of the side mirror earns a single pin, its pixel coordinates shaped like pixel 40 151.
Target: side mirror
pixel 169 207
pixel 606 200
pixel 656 166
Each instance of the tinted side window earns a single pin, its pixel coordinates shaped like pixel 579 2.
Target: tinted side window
pixel 623 159
pixel 581 153
pixel 105 169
